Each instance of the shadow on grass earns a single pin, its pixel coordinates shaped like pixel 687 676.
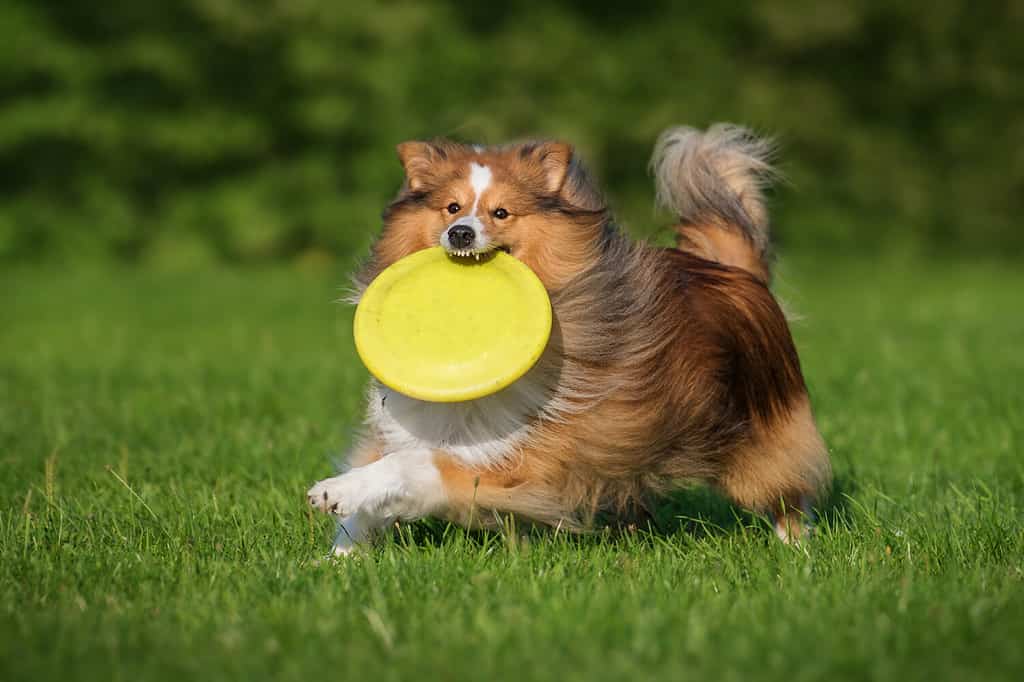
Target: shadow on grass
pixel 702 512
pixel 697 513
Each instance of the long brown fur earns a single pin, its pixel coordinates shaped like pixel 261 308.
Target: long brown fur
pixel 667 366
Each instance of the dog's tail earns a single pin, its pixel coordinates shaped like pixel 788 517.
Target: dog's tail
pixel 715 181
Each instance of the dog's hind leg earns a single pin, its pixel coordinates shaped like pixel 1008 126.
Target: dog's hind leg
pixel 780 471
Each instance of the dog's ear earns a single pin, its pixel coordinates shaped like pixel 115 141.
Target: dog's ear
pixel 553 159
pixel 417 159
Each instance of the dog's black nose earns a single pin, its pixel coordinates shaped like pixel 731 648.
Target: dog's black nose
pixel 461 236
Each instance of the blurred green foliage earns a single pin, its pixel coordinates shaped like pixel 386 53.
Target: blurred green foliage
pixel 260 130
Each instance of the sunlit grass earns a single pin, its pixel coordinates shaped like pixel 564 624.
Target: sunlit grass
pixel 158 431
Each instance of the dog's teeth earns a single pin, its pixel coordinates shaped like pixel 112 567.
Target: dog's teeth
pixel 477 256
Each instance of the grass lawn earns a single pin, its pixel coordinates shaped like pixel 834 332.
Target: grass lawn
pixel 158 432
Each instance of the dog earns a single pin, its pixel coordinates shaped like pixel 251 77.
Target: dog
pixel 666 366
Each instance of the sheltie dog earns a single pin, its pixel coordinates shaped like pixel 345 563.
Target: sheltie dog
pixel 666 366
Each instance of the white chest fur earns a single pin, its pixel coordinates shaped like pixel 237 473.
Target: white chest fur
pixel 481 433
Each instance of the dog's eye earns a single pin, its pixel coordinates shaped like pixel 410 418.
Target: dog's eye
pixel 500 213
pixel 454 207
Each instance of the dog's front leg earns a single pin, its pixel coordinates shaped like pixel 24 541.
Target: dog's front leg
pixel 401 485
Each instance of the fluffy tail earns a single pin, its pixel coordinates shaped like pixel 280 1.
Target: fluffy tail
pixel 715 181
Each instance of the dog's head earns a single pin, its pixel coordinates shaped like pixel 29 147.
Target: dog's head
pixel 531 200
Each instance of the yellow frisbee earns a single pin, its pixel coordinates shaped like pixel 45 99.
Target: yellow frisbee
pixel 446 329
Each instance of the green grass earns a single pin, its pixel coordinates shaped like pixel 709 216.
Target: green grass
pixel 158 431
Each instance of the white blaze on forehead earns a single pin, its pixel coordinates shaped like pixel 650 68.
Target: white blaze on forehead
pixel 479 180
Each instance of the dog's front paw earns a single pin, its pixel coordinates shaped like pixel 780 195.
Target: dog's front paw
pixel 332 496
pixel 396 486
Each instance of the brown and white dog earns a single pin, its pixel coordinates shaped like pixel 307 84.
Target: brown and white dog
pixel 666 366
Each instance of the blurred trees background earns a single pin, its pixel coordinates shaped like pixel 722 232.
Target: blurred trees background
pixel 246 130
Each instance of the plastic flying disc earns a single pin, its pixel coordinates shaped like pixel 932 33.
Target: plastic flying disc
pixel 446 329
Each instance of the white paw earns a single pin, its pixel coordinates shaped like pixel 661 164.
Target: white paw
pixel 401 485
pixel 338 495
pixel 340 551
